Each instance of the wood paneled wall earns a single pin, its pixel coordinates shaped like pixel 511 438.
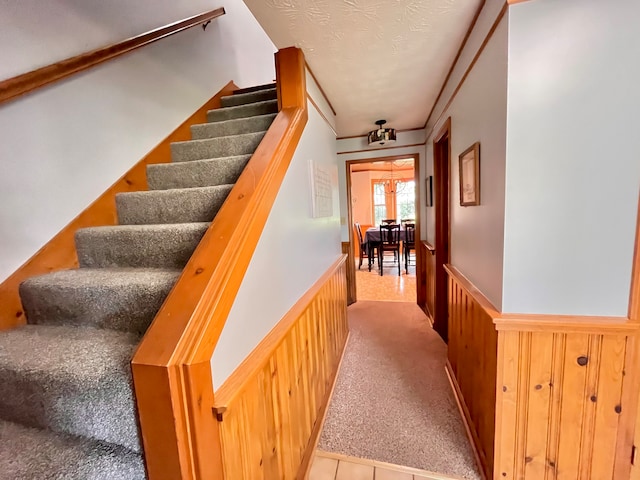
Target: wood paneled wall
pixel 561 396
pixel 471 365
pixel 270 409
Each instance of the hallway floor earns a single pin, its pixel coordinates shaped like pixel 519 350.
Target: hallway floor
pixel 333 466
pixel 392 401
pixel 389 287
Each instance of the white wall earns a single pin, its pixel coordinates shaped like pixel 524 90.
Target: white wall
pixel 408 143
pixel 478 114
pixel 573 156
pixel 293 252
pixel 63 145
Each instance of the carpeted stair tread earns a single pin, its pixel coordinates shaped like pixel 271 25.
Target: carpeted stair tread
pixel 74 380
pixel 124 299
pixel 36 454
pixel 228 146
pixel 249 97
pixel 183 205
pixel 243 111
pixel 139 246
pixel 266 86
pixel 197 173
pixel 237 126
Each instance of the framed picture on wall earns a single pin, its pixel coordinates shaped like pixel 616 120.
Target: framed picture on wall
pixel 428 191
pixel 469 167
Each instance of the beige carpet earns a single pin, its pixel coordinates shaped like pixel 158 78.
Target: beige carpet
pixel 392 400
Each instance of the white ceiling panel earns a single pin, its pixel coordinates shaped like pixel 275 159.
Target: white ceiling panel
pixel 375 59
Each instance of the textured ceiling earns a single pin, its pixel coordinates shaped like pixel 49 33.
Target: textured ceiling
pixel 374 58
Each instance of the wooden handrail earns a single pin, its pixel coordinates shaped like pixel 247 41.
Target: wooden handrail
pixel 27 82
pixel 172 369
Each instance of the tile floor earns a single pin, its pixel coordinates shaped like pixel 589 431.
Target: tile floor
pixel 390 287
pixel 332 466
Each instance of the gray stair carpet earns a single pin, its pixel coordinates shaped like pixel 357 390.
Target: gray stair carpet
pixel 67 406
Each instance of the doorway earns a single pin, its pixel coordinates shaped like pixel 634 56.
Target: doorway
pixel 441 174
pixel 378 189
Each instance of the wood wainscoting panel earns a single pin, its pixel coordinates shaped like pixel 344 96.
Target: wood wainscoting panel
pixel 560 398
pixel 60 252
pixel 472 356
pixel 270 408
pixel 351 271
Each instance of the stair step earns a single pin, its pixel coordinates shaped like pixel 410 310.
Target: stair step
pixel 249 97
pixel 238 126
pixel 196 173
pixel 70 379
pixel 138 246
pixel 180 205
pixel 243 111
pixel 124 299
pixel 36 454
pixel 229 146
pixel 266 86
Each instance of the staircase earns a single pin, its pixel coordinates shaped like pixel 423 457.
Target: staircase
pixel 67 409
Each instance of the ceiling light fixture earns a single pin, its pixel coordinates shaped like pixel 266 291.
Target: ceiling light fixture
pixel 382 135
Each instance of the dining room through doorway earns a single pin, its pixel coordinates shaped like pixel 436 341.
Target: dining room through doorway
pixel 383 190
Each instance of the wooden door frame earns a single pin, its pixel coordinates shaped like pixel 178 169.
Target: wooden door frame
pixel 442 194
pixel 416 177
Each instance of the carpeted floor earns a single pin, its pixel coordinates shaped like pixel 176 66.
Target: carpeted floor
pixel 392 400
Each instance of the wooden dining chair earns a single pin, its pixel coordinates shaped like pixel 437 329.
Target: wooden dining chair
pixel 389 242
pixel 409 244
pixel 365 249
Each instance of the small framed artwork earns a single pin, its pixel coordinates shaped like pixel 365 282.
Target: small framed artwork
pixel 429 190
pixel 470 176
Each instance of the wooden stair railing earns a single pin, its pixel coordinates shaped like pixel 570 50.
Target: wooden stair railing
pixel 172 367
pixel 27 82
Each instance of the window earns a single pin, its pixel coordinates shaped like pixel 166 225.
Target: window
pixel 406 199
pixel 393 199
pixel 379 203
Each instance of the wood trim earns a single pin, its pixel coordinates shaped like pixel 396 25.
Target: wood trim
pixel 333 110
pixel 27 82
pixel 383 148
pixel 351 273
pixel 60 252
pixel 272 405
pixel 455 60
pixel 326 120
pixel 430 248
pixel 470 67
pixel 513 2
pixel 634 294
pixel 565 324
pixel 466 417
pixel 442 205
pixel 473 291
pixel 307 458
pixel 630 433
pixel 171 369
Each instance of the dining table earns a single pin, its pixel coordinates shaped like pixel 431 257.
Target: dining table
pixel 372 237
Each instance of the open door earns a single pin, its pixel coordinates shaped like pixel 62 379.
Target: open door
pixel 441 173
